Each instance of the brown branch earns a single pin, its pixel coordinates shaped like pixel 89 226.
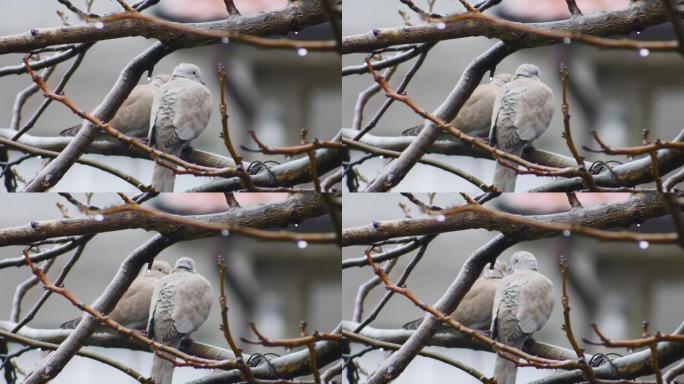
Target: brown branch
pixel 393 346
pixel 92 163
pixel 293 342
pixel 584 29
pixel 23 96
pixel 567 133
pixel 225 133
pixel 223 302
pixel 295 149
pixel 365 96
pixel 437 164
pixel 573 8
pixel 585 222
pixel 231 8
pixel 636 150
pixel 90 355
pixel 633 343
pixel 677 25
pixel 567 325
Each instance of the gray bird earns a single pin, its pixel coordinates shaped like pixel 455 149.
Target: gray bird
pixel 522 305
pixel 475 309
pixel 180 112
pixel 522 112
pixel 134 306
pixel 475 116
pixel 180 304
pixel 133 117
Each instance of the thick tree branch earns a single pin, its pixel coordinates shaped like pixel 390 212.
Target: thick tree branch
pixel 301 206
pixel 641 13
pixel 638 208
pixel 295 16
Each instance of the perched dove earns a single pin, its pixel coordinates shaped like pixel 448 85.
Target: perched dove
pixel 475 116
pixel 475 309
pixel 522 305
pixel 522 112
pixel 180 304
pixel 180 112
pixel 133 117
pixel 134 306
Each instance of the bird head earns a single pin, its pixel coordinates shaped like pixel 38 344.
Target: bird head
pixel 188 71
pixel 501 79
pixel 161 266
pixel 524 260
pixel 186 264
pixel 159 80
pixel 498 271
pixel 528 70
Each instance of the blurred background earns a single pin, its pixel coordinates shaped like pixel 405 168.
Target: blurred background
pixel 613 284
pixel 277 93
pixel 615 92
pixel 276 285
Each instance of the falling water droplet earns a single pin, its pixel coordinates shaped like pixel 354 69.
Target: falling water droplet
pixel 296 225
pixel 301 244
pixel 441 218
pixel 638 33
pixel 99 25
pixel 643 52
pixel 296 33
pixel 567 233
pixel 441 26
pixel 302 52
pixel 225 232
pixel 149 78
pixel 225 40
pixel 99 218
pixel 643 244
pixel 567 40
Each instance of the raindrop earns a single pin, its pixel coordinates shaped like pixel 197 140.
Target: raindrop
pixel 567 40
pixel 99 25
pixel 638 33
pixel 643 244
pixel 382 157
pixel 225 40
pixel 638 225
pixel 441 26
pixel 149 78
pixel 441 218
pixel 301 244
pixel 225 232
pixel 643 52
pixel 99 218
pixel 296 33
pixel 491 78
pixel 567 233
pixel 302 52
pixel 296 225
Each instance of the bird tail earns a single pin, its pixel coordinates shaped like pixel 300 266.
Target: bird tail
pixel 162 370
pixel 504 371
pixel 163 178
pixel 71 131
pixel 71 324
pixel 413 131
pixel 504 178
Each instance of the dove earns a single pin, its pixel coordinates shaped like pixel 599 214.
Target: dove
pixel 180 112
pixel 522 305
pixel 475 116
pixel 133 117
pixel 522 112
pixel 134 306
pixel 475 309
pixel 180 304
